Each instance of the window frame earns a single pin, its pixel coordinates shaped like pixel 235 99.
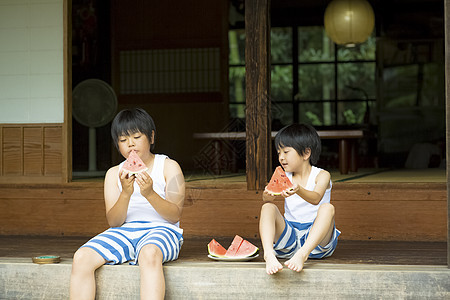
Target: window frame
pixel 295 104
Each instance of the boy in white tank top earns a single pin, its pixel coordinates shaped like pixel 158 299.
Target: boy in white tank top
pixel 143 211
pixel 307 228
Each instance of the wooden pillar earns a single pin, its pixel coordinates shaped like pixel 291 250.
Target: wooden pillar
pixel 258 119
pixel 447 108
pixel 67 81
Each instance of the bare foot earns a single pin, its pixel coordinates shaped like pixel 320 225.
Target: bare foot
pixel 272 264
pixel 297 261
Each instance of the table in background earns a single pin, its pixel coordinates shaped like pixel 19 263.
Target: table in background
pixel 346 138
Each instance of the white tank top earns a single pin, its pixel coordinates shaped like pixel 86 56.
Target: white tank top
pixel 139 209
pixel 296 209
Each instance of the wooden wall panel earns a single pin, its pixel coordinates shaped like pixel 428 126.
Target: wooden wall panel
pixel 222 212
pixel 12 151
pixel 363 211
pixel 53 151
pixel 31 153
pixel 392 220
pixel 49 209
pixel 401 212
pixel 1 151
pixel 391 211
pixel 80 217
pixel 388 192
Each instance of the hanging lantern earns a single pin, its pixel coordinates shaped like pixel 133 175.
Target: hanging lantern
pixel 349 22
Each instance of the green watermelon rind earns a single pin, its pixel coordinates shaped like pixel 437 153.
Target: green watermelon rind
pixel 275 193
pixel 272 193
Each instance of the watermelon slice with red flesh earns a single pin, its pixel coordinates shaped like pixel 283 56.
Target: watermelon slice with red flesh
pixel 246 249
pixel 241 248
pixel 134 164
pixel 216 249
pixel 234 247
pixel 279 182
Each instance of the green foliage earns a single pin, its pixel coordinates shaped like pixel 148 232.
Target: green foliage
pixel 313 119
pixel 281 45
pixel 281 82
pixel 316 73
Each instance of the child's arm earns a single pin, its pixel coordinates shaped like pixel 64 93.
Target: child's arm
pixel 313 197
pixel 171 207
pixel 116 202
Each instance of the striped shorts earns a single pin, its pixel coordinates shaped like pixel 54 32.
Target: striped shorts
pixel 121 244
pixel 294 237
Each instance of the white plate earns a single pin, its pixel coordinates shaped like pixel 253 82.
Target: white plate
pixel 233 258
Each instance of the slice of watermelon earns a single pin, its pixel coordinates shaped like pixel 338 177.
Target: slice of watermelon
pixel 279 182
pixel 234 247
pixel 239 248
pixel 134 164
pixel 246 249
pixel 216 249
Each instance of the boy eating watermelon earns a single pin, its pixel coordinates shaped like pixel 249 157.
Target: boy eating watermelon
pixel 307 228
pixel 144 198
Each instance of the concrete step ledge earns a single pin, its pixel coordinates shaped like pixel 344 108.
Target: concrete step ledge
pixel 21 279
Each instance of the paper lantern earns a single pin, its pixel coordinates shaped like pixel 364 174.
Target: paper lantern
pixel 349 22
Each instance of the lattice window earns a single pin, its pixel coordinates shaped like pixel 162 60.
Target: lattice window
pixel 170 71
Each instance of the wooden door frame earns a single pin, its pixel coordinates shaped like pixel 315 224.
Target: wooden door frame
pixel 67 82
pixel 447 114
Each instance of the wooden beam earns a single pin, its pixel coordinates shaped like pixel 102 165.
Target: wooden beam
pixel 447 108
pixel 67 81
pixel 257 62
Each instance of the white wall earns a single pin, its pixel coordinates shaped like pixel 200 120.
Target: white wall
pixel 31 61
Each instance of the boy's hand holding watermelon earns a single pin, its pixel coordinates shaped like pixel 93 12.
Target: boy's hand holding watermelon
pixel 279 185
pixel 126 182
pixel 145 183
pixel 136 170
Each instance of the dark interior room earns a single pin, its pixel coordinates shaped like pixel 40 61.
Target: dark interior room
pixel 391 85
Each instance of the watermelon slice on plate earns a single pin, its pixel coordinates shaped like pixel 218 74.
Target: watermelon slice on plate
pixel 239 250
pixel 234 247
pixel 246 249
pixel 134 164
pixel 216 249
pixel 279 182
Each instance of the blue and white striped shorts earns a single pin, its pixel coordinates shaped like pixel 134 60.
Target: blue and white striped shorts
pixel 121 244
pixel 294 237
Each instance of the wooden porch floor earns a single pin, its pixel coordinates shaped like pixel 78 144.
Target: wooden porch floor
pixel 195 250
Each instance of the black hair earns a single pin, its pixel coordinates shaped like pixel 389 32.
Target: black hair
pixel 300 137
pixel 130 121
